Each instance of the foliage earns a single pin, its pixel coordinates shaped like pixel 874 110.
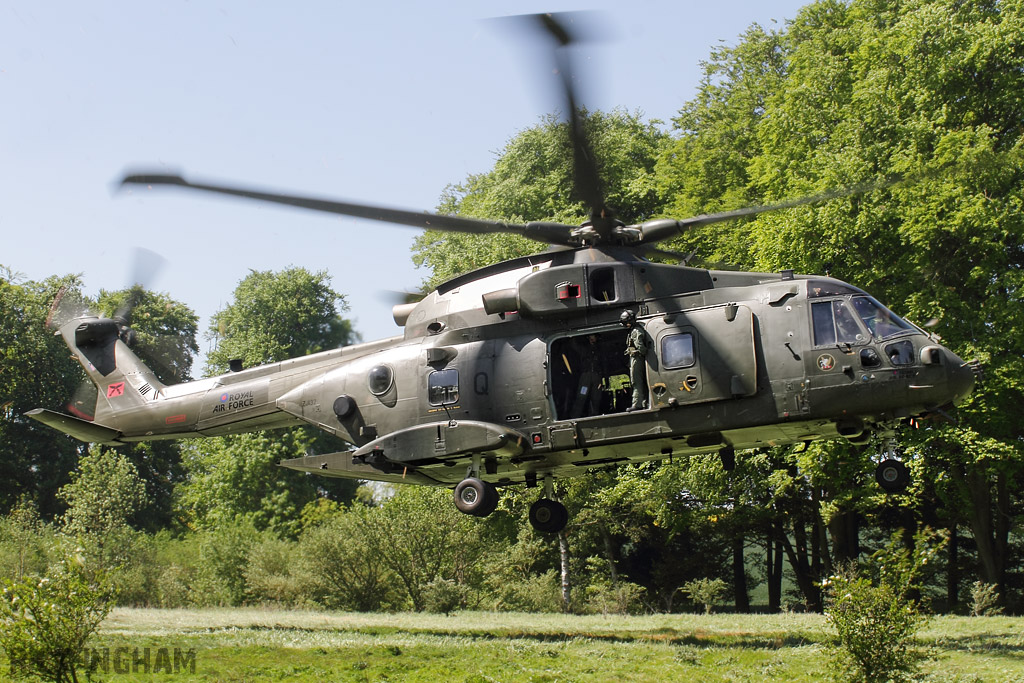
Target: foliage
pixel 275 316
pixel 621 597
pixel 705 592
pixel 341 571
pixel 238 477
pixel 36 371
pixel 419 536
pixel 876 618
pixel 25 542
pixel 984 600
pixel 45 622
pixel 444 596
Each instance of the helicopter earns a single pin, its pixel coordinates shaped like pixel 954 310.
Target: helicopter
pixel 583 357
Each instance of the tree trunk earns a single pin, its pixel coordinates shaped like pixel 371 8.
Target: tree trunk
pixel 800 561
pixel 563 550
pixel 609 554
pixel 774 566
pixel 739 575
pixel 952 570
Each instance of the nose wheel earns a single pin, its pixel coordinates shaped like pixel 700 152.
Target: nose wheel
pixel 892 475
pixel 548 516
pixel 476 497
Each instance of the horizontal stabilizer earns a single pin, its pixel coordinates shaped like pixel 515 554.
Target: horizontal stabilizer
pixel 83 430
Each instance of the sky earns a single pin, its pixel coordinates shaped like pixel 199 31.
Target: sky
pixel 380 102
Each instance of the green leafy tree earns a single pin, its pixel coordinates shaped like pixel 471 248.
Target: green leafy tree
pixel 276 316
pixel 420 537
pixel 36 371
pixel 104 493
pixel 233 478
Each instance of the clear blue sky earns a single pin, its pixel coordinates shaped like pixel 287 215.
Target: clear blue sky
pixel 384 102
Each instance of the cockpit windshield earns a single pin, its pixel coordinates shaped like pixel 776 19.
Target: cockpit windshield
pixel 880 321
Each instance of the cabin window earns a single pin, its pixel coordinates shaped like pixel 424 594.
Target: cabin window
pixel 869 358
pixel 900 353
pixel 834 324
pixel 379 379
pixel 677 351
pixel 602 284
pixel 443 387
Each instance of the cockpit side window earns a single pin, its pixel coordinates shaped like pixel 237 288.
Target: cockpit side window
pixel 880 321
pixel 834 324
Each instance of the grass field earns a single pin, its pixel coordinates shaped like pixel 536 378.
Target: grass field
pixel 271 645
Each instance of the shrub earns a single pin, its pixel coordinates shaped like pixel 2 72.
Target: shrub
pixel 705 592
pixel 444 596
pixel 270 574
pixel 984 600
pixel 875 624
pixel 874 617
pixel 621 597
pixel 46 622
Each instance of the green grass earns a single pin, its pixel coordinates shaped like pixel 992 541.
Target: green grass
pixel 269 645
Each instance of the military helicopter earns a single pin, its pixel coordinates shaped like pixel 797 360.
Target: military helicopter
pixel 517 373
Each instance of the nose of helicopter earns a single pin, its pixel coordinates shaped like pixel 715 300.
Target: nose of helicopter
pixel 961 376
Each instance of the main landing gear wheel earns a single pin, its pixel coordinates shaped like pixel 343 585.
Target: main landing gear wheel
pixel 892 475
pixel 548 516
pixel 476 497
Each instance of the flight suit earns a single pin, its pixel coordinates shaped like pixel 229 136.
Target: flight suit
pixel 636 349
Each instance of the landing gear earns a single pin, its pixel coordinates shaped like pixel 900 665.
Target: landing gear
pixel 476 497
pixel 892 475
pixel 548 516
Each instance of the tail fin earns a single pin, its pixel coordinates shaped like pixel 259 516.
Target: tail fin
pixel 102 347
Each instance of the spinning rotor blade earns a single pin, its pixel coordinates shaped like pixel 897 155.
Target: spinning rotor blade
pixel 550 233
pixel 146 266
pixel 666 228
pixel 586 181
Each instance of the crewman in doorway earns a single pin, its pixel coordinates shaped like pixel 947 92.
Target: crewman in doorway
pixel 636 349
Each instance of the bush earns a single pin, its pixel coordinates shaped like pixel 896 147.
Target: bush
pixel 875 618
pixel 26 542
pixel 444 596
pixel 985 600
pixel 875 624
pixel 270 574
pixel 621 597
pixel 705 592
pixel 339 569
pixel 46 622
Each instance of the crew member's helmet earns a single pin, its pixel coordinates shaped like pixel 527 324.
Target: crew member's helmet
pixel 627 318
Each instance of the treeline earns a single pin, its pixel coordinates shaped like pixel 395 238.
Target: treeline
pixel 922 98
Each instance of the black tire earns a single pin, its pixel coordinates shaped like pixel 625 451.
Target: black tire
pixel 548 516
pixel 476 497
pixel 892 475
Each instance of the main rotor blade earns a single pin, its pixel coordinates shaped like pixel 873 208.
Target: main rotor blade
pixel 665 228
pixel 586 181
pixel 550 233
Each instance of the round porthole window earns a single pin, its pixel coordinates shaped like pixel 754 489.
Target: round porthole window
pixel 380 379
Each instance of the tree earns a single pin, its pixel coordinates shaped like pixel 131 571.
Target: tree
pixel 419 536
pixel 235 478
pixel 275 316
pixel 36 371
